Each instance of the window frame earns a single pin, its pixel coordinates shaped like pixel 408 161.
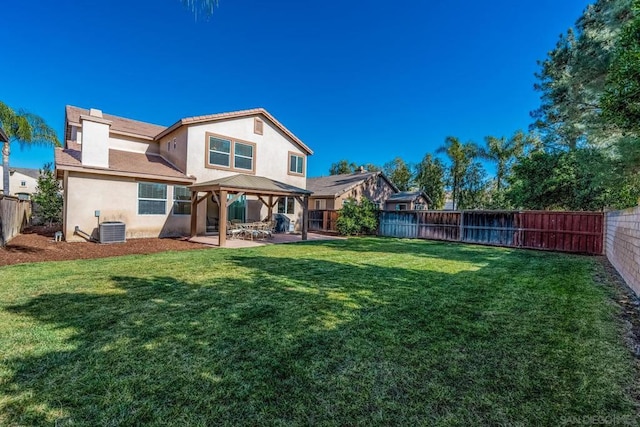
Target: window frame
pixel 23 183
pixel 232 153
pixel 181 202
pixel 164 211
pixel 285 201
pixel 303 160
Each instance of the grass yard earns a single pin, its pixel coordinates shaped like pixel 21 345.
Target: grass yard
pixel 355 332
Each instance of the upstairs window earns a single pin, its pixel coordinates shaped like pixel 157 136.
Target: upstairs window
pixel 230 154
pixel 296 164
pixel 181 200
pixel 243 158
pixel 219 151
pixel 152 198
pixel 23 183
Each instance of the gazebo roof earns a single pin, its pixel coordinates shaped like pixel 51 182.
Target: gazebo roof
pixel 250 184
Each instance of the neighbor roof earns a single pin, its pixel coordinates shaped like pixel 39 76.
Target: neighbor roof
pixel 252 184
pixel 124 163
pixel 335 185
pixel 118 125
pixel 235 115
pixel 408 196
pixel 33 173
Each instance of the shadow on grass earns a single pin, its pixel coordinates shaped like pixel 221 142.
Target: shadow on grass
pixel 302 341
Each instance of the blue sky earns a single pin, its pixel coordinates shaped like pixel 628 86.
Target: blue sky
pixel 361 80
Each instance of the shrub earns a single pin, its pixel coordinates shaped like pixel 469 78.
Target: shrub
pixel 357 218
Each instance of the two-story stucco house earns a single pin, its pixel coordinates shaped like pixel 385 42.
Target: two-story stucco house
pixel 23 182
pixel 169 181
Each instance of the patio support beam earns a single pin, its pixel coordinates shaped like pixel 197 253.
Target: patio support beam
pixel 305 217
pixel 304 201
pixel 215 197
pixel 222 237
pixel 194 213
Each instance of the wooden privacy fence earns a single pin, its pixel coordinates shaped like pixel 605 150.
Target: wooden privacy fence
pixel 323 220
pixel 577 232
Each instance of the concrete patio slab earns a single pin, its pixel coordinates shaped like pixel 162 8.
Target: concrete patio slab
pixel 275 240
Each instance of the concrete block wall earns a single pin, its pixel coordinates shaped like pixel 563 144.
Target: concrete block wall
pixel 622 244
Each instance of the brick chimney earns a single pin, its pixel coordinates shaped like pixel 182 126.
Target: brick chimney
pixel 95 139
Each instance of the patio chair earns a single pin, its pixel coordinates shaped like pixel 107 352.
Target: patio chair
pixel 234 231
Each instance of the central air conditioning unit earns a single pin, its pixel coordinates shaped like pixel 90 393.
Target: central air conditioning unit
pixel 112 232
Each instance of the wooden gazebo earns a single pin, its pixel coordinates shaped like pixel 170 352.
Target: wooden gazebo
pixel 266 190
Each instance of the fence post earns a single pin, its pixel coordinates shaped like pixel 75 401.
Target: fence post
pixel 461 232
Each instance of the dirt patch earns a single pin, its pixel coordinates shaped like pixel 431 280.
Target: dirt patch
pixel 36 245
pixel 628 313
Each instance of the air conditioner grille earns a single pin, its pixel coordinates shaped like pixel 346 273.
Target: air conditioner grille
pixel 112 232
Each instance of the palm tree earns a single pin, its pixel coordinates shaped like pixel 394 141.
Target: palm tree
pixel 503 152
pixel 460 155
pixel 204 6
pixel 26 129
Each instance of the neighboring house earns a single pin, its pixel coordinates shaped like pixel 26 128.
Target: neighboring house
pixel 408 200
pixel 22 182
pixel 118 169
pixel 330 192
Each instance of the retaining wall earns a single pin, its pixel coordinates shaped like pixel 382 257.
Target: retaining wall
pixel 622 244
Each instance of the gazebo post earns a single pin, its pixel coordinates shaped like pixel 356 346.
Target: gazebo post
pixel 305 217
pixel 270 209
pixel 194 213
pixel 222 237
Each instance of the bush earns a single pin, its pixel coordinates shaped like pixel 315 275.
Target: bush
pixel 357 218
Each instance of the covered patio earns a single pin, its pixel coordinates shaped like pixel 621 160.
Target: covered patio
pixel 225 191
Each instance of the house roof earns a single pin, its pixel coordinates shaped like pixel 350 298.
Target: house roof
pixel 251 184
pixel 118 125
pixel 408 196
pixel 235 115
pixel 335 185
pixel 125 163
pixel 33 173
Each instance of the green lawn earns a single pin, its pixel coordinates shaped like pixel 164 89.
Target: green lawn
pixel 356 332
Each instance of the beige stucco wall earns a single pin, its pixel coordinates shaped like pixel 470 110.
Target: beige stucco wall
pixel 622 244
pixel 178 155
pixel 271 155
pixel 118 142
pixel 117 200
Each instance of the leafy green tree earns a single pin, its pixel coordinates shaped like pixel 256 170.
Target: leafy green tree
pixel 342 167
pixel 25 128
pixel 399 173
pixel 571 79
pixel 370 167
pixel 429 177
pixel 357 218
pixel 621 100
pixel 580 179
pixel 460 156
pixel 473 188
pixel 48 197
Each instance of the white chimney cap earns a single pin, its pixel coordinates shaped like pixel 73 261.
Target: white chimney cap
pixel 94 112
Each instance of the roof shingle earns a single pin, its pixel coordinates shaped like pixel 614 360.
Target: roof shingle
pixel 119 124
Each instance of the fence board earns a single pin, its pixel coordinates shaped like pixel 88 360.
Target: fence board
pixel 323 220
pixel 577 232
